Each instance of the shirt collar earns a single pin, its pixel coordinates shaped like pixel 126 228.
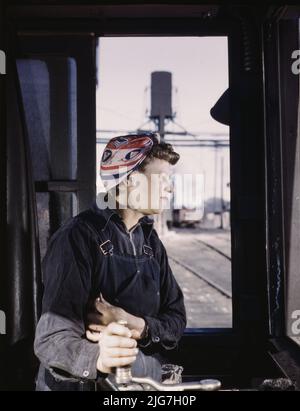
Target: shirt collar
pixel 109 213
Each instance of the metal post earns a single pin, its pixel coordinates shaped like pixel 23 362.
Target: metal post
pixel 221 192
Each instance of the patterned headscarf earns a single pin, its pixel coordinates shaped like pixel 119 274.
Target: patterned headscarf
pixel 122 155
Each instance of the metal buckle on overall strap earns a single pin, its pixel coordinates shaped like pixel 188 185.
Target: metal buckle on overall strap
pixel 148 250
pixel 107 247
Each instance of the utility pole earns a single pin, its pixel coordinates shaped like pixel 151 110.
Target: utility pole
pixel 222 192
pixel 161 127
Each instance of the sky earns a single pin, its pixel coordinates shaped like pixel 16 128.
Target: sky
pixel 199 67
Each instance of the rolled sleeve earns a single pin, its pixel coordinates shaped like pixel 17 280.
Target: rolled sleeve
pixel 60 348
pixel 60 342
pixel 85 366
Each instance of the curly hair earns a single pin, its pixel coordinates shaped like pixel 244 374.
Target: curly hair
pixel 162 151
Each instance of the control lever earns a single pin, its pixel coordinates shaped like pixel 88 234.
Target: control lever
pixel 126 381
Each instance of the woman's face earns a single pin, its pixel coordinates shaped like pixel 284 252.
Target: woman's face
pixel 150 191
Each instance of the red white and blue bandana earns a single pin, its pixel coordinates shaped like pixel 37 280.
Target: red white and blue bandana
pixel 121 156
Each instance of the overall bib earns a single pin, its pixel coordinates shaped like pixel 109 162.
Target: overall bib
pixel 128 281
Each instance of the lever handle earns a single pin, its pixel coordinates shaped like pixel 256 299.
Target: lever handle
pixel 123 374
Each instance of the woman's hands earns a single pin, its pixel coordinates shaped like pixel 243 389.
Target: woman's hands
pixel 117 348
pixel 105 313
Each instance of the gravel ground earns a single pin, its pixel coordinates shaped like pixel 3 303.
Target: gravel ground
pixel 206 306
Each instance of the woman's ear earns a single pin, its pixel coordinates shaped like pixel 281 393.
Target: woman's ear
pixel 131 180
pixel 123 185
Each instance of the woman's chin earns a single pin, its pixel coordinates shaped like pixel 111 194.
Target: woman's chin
pixel 151 211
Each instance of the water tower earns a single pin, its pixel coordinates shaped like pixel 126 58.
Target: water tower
pixel 161 99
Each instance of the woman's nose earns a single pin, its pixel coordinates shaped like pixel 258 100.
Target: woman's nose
pixel 169 188
pixel 167 185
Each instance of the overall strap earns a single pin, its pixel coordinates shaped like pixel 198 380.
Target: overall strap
pixel 96 224
pixel 151 246
pixel 148 250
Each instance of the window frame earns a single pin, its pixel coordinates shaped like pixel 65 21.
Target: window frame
pixel 222 347
pixel 282 38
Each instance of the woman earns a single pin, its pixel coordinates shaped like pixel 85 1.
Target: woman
pixel 111 254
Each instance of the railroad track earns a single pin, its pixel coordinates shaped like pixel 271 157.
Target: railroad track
pixel 202 276
pixel 213 248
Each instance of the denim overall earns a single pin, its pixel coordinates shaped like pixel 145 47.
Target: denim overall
pixel 128 281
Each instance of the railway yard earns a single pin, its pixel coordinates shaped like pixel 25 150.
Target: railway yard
pixel 201 263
